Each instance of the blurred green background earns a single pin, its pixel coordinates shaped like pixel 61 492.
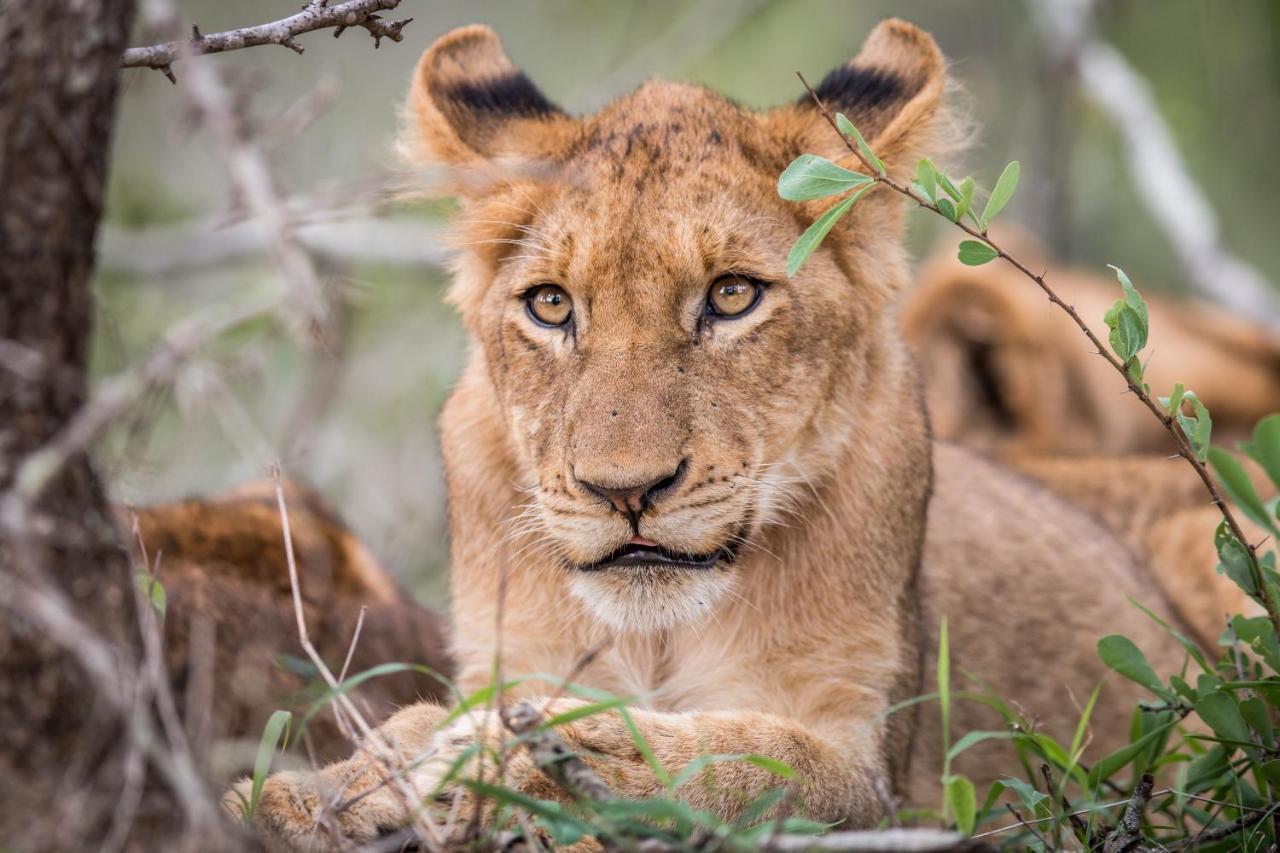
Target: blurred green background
pixel 360 425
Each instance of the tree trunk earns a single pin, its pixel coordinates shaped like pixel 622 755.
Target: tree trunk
pixel 71 772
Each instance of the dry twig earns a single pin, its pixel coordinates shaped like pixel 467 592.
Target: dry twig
pixel 1128 835
pixel 316 15
pixel 552 756
pixel 371 742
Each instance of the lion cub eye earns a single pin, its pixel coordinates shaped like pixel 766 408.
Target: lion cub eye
pixel 733 296
pixel 549 305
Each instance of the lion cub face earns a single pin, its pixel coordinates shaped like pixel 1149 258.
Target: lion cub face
pixel 663 381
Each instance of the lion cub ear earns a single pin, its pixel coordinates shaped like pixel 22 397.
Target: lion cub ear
pixel 892 91
pixel 469 104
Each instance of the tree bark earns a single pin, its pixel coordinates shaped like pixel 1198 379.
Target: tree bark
pixel 64 744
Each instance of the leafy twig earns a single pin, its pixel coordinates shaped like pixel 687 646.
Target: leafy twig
pixel 879 175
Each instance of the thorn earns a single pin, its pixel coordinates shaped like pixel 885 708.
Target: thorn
pixel 288 42
pixel 339 31
pixel 168 72
pixel 195 32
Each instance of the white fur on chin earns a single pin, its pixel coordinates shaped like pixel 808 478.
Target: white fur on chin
pixel 647 599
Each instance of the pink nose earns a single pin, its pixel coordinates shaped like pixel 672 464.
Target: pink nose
pixel 632 500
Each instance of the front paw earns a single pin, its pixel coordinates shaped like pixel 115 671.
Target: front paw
pixel 362 799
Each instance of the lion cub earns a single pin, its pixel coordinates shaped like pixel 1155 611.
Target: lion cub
pixel 719 476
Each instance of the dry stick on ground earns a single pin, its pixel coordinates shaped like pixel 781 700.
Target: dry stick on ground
pixel 316 15
pixel 552 756
pixel 373 743
pixel 1028 827
pixel 564 767
pixel 1218 833
pixel 1180 440
pixel 1128 835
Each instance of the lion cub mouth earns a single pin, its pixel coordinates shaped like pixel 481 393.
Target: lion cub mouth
pixel 645 552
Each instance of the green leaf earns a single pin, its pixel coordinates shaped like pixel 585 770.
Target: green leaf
pixel 967 187
pixel 1186 642
pixel 847 128
pixel 1128 320
pixel 974 738
pixel 962 802
pixel 948 187
pixel 944 682
pixel 1173 403
pixel 927 177
pixel 1256 714
pixel 646 751
pixel 276 731
pixel 152 590
pixel 1239 488
pixel 1265 447
pixel 1119 653
pixel 553 815
pixel 1198 428
pixel 589 710
pixel 1222 714
pixel 947 208
pixel 359 678
pixel 1234 559
pixel 1256 633
pixel 778 768
pixel 1132 298
pixel 810 176
pixel 1111 764
pixel 976 254
pixel 1000 195
pixel 1030 796
pixel 814 234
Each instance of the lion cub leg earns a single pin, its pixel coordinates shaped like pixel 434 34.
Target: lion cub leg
pixel 353 797
pixel 365 797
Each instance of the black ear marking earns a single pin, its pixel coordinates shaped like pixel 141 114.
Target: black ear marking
pixel 851 88
pixel 511 94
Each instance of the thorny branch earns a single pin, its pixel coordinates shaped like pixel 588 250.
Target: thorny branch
pixel 316 15
pixel 1181 442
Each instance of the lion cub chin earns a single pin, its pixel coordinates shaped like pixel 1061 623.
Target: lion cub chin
pixel 645 599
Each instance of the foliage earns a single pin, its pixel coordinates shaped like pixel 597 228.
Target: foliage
pixel 1210 733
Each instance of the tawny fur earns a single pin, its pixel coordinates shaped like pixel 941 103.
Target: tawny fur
pixel 221 561
pixel 1007 373
pixel 801 428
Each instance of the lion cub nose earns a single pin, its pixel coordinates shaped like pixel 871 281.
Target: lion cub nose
pixel 634 499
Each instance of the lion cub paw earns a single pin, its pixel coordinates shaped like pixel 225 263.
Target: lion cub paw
pixel 353 800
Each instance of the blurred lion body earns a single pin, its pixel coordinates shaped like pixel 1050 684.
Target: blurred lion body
pixel 794 440
pixel 230 634
pixel 1006 374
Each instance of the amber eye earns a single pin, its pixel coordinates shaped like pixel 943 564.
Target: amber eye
pixel 732 296
pixel 549 305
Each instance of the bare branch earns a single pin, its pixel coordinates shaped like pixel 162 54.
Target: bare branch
pixel 1160 176
pixel 252 177
pixel 173 250
pixel 315 16
pixel 121 393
